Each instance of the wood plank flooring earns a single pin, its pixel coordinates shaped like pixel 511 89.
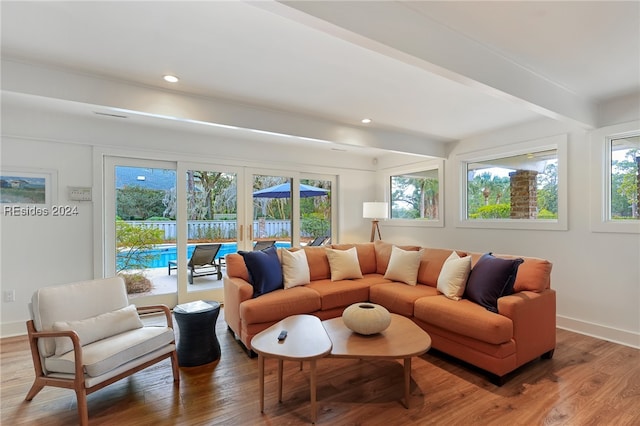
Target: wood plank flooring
pixel 588 382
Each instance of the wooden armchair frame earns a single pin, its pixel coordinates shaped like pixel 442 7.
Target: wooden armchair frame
pixel 77 383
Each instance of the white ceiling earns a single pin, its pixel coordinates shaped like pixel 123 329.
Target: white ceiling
pixel 435 71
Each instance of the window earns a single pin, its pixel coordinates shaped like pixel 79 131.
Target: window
pixel 520 186
pixel 624 178
pixel 614 178
pixel 523 186
pixel 416 195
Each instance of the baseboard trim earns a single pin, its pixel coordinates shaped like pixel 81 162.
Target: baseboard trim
pixel 11 329
pixel 615 335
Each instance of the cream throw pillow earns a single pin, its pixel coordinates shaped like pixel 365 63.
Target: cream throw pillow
pixel 403 266
pixel 99 327
pixel 344 264
pixel 453 276
pixel 295 268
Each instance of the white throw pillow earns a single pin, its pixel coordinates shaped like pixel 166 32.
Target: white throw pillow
pixel 403 266
pixel 453 276
pixel 99 327
pixel 344 264
pixel 295 268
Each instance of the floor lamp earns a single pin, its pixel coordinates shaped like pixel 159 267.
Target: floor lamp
pixel 375 210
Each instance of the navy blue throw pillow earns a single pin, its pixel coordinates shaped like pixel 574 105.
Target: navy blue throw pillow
pixel 490 279
pixel 265 272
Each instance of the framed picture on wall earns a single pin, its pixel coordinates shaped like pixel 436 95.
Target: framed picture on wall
pixel 28 187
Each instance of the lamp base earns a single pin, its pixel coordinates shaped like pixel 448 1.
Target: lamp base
pixel 375 228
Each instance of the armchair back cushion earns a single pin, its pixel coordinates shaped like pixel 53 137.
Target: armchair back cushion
pixel 74 302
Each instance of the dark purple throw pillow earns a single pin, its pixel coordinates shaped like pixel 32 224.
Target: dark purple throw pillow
pixel 490 279
pixel 265 271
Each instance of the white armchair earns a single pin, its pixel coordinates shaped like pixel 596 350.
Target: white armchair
pixel 85 336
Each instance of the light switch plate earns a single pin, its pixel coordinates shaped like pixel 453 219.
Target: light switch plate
pixel 79 193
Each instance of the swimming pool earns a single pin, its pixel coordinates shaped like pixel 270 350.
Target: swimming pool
pixel 163 254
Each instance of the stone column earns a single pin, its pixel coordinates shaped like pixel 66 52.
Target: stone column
pixel 524 194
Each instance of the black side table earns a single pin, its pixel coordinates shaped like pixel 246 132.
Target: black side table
pixel 197 343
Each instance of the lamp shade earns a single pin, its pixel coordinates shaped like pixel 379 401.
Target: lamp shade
pixel 375 210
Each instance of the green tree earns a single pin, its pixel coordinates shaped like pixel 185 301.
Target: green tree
pixel 547 183
pixel 486 189
pixel 415 197
pixel 625 178
pixel 136 203
pixel 133 244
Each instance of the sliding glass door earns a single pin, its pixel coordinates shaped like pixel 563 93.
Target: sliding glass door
pixel 140 228
pixel 161 219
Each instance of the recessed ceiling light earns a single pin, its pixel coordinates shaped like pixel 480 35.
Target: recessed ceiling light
pixel 365 121
pixel 170 78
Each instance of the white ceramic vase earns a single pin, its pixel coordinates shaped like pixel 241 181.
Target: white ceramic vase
pixel 366 318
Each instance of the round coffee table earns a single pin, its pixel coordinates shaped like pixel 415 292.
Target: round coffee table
pixel 197 340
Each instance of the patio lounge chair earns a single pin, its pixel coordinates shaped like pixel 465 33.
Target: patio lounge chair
pixel 261 245
pixel 202 262
pixel 318 241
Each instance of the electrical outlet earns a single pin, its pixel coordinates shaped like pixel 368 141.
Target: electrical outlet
pixel 9 295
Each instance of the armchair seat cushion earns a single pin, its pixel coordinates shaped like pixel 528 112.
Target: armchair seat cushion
pixel 104 355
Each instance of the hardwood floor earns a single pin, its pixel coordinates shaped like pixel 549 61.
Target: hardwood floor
pixel 588 382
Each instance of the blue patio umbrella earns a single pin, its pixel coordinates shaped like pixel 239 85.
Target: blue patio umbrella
pixel 284 191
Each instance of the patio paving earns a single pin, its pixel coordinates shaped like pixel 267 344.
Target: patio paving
pixel 164 284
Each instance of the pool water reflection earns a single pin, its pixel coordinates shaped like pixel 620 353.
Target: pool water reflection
pixel 161 255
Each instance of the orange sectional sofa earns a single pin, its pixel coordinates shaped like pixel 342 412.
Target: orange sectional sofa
pixel 523 329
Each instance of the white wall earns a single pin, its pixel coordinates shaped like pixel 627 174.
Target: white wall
pixel 596 275
pixel 42 251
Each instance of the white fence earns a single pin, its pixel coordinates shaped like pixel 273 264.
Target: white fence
pixel 219 229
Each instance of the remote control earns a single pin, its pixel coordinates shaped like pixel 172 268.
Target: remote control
pixel 283 335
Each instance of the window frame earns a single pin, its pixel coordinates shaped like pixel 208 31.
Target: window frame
pixel 600 183
pixel 435 164
pixel 557 142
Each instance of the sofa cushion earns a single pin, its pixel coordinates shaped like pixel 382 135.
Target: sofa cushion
pixel 295 269
pixel 344 264
pixel 279 304
pixel 534 274
pixel 490 279
pixel 464 317
pixel 383 254
pixel 335 294
pixel 104 355
pixel 366 255
pixel 236 268
pixel 398 297
pixel 265 271
pixel 431 265
pixel 453 276
pixel 95 328
pixel 403 265
pixel 319 268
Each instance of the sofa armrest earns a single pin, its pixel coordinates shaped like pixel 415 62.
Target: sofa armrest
pixel 236 291
pixel 152 309
pixel 534 322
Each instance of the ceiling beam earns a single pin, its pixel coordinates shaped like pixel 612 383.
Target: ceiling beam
pixel 104 93
pixel 400 32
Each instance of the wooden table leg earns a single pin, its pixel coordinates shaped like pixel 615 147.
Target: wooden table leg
pixel 312 385
pixel 407 381
pixel 261 381
pixel 280 365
